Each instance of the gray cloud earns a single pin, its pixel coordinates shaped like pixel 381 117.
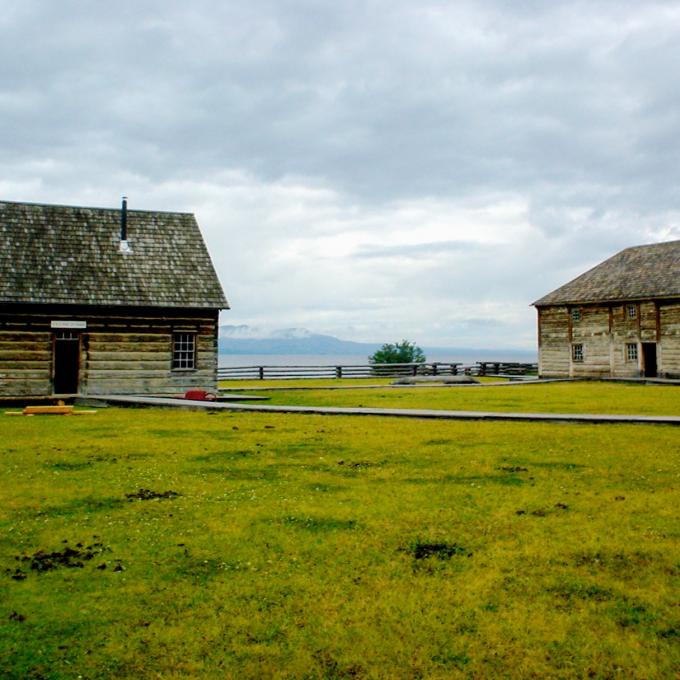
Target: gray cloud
pixel 248 113
pixel 416 251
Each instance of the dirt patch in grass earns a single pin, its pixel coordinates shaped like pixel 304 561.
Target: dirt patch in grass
pixel 68 557
pixel 441 550
pixel 149 495
pixel 543 512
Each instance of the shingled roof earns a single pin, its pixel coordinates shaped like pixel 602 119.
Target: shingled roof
pixel 71 255
pixel 641 272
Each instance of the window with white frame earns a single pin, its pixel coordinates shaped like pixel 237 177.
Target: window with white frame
pixel 631 311
pixel 577 352
pixel 576 314
pixel 183 350
pixel 631 351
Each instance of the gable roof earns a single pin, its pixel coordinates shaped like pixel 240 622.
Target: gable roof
pixel 641 272
pixel 71 255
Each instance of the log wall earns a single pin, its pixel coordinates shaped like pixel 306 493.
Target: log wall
pixel 626 330
pixel 554 351
pixel 592 331
pixel 604 331
pixel 122 351
pixel 668 352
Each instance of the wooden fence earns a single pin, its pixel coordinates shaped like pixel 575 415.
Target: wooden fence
pixel 375 370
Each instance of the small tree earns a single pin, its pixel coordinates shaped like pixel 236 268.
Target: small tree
pixel 403 352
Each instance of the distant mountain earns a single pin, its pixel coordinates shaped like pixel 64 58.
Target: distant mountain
pixel 251 340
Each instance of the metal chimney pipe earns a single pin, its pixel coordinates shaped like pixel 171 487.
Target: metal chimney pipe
pixel 123 220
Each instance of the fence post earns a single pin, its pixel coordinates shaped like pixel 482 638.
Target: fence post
pixel 338 371
pixel 434 368
pixel 261 372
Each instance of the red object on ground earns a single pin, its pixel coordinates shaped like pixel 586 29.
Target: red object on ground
pixel 199 395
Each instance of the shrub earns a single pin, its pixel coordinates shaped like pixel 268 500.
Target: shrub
pixel 403 352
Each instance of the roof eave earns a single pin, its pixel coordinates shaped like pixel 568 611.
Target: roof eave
pixel 594 301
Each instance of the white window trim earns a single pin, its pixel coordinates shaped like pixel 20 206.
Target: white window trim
pixel 183 351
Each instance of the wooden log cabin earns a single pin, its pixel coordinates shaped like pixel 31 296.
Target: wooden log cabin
pixel 619 319
pixel 104 301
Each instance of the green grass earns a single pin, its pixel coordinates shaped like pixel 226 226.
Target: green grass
pixel 578 397
pixel 281 383
pixel 303 382
pixel 317 547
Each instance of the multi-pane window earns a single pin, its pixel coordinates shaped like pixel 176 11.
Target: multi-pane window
pixel 184 350
pixel 631 311
pixel 575 314
pixel 577 352
pixel 632 351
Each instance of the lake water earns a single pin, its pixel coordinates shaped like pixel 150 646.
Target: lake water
pixel 361 360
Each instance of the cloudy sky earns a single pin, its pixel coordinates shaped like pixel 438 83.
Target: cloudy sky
pixel 376 169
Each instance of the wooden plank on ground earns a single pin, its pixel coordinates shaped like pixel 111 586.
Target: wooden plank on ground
pixel 48 410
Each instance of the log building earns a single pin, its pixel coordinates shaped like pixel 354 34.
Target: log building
pixel 104 301
pixel 619 319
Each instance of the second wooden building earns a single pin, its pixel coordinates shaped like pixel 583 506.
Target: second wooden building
pixel 620 319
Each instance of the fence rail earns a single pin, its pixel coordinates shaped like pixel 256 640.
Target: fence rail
pixel 375 370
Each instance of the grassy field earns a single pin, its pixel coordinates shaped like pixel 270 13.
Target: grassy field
pixel 323 382
pixel 579 397
pixel 169 544
pixel 303 382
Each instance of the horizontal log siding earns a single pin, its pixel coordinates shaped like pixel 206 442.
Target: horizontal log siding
pixel 624 331
pixel 592 331
pixel 647 312
pixel 140 363
pixel 604 331
pixel 25 362
pixel 120 354
pixel 668 348
pixel 553 347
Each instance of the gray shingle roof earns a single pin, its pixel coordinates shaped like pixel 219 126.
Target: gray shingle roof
pixel 71 255
pixel 641 272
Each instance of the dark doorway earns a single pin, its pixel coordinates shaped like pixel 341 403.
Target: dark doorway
pixel 649 359
pixel 66 362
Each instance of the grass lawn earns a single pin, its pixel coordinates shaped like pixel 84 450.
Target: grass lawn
pixel 168 544
pixel 303 382
pixel 565 397
pixel 281 383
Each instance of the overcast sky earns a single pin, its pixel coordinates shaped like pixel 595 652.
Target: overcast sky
pixel 377 169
